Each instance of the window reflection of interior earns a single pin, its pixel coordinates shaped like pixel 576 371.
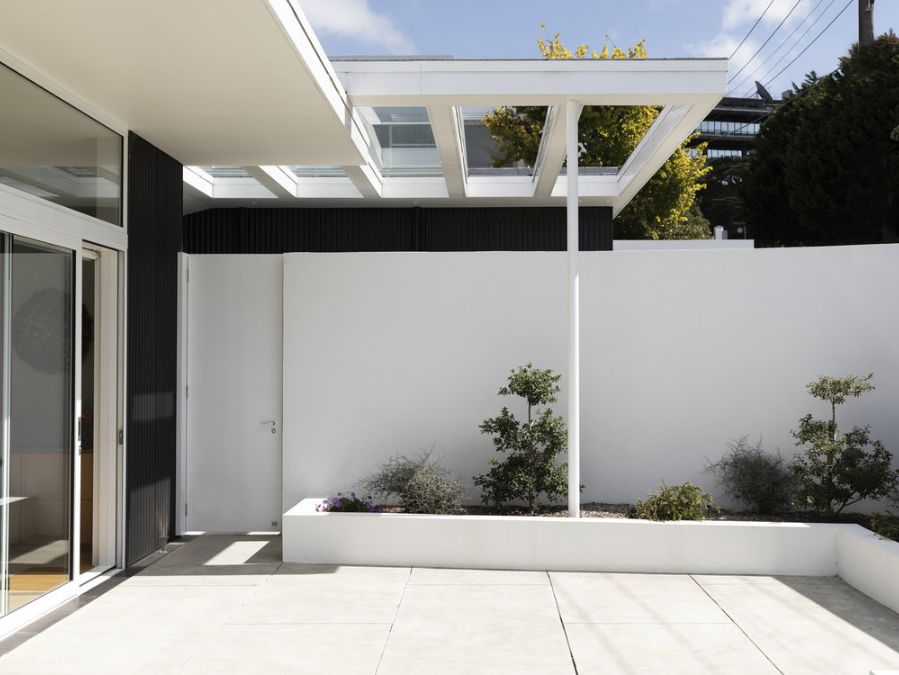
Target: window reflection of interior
pixel 52 151
pixel 40 375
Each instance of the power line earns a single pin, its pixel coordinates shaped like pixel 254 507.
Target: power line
pixel 845 7
pixel 766 41
pixel 745 37
pixel 781 45
pixel 790 51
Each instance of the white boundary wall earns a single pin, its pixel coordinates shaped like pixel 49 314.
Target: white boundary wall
pixel 680 350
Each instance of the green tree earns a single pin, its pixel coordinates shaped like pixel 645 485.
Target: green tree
pixel 529 468
pixel 721 201
pixel 840 469
pixel 664 207
pixel 825 170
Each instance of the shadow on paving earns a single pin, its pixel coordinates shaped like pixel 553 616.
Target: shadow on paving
pixel 851 606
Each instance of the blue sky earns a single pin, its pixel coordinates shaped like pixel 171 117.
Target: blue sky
pixel 672 28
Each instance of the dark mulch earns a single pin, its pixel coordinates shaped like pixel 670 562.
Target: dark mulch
pixel 601 510
pixel 888 527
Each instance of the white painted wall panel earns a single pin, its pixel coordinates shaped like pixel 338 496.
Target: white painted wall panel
pixel 681 351
pixel 233 461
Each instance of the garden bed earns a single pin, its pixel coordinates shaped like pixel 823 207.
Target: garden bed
pixel 612 544
pixel 602 510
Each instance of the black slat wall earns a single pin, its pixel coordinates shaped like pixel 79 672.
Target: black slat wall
pixel 392 229
pixel 154 239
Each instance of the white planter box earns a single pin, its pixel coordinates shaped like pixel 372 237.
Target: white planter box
pixel 594 544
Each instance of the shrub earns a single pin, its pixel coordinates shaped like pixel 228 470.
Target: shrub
pixel 421 484
pixel 676 502
pixel 840 469
pixel 347 503
pixel 529 468
pixel 761 479
pixel 887 524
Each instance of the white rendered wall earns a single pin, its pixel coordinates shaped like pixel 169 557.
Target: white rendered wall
pixel 680 350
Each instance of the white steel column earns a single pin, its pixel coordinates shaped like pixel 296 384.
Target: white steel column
pixel 572 113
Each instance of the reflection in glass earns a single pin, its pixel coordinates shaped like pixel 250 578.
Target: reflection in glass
pixel 226 171
pixel 55 152
pixel 39 471
pixel 402 140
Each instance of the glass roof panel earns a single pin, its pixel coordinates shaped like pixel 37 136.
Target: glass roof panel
pixel 402 141
pixel 226 171
pixel 609 134
pixel 483 148
pixel 317 171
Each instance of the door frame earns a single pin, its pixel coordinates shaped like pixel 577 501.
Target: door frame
pixel 181 397
pixel 106 410
pixel 34 218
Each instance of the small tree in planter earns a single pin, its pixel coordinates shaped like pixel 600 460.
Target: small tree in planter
pixel 839 469
pixel 529 468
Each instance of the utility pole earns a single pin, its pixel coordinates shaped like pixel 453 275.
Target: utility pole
pixel 865 22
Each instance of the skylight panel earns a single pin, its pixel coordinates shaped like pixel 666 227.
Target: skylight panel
pixel 484 153
pixel 301 171
pixel 402 141
pixel 226 171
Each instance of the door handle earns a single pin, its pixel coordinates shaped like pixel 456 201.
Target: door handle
pixel 272 425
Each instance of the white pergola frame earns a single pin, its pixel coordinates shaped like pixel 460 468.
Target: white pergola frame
pixel 685 90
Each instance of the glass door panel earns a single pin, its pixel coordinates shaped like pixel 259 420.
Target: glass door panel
pixel 40 404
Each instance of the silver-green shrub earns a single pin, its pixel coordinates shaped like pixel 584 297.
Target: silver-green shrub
pixel 421 484
pixel 762 480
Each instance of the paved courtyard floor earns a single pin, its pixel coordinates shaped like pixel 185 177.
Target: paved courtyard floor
pixel 219 604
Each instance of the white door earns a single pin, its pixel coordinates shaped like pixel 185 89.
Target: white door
pixel 234 375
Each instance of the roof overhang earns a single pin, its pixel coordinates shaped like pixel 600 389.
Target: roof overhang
pixel 246 83
pixel 207 81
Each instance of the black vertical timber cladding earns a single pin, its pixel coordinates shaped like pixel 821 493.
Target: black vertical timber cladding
pixel 392 229
pixel 154 239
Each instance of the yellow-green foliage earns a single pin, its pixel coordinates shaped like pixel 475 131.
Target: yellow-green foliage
pixel 608 136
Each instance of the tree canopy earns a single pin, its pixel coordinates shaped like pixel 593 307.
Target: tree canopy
pixel 664 208
pixel 825 169
pixel 720 201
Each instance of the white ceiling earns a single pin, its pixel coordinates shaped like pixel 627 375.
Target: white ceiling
pixel 207 81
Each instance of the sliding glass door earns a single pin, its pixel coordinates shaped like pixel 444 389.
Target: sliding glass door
pixel 37 391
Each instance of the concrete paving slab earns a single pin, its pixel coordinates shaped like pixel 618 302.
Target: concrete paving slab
pixel 128 631
pixel 430 575
pixel 814 629
pixel 478 605
pixel 444 646
pixel 633 599
pixel 289 573
pixel 194 577
pixel 673 649
pixel 302 649
pixel 321 603
pixel 214 560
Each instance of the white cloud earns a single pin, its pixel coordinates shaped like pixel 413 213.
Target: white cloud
pixel 355 19
pixel 738 16
pixel 743 13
